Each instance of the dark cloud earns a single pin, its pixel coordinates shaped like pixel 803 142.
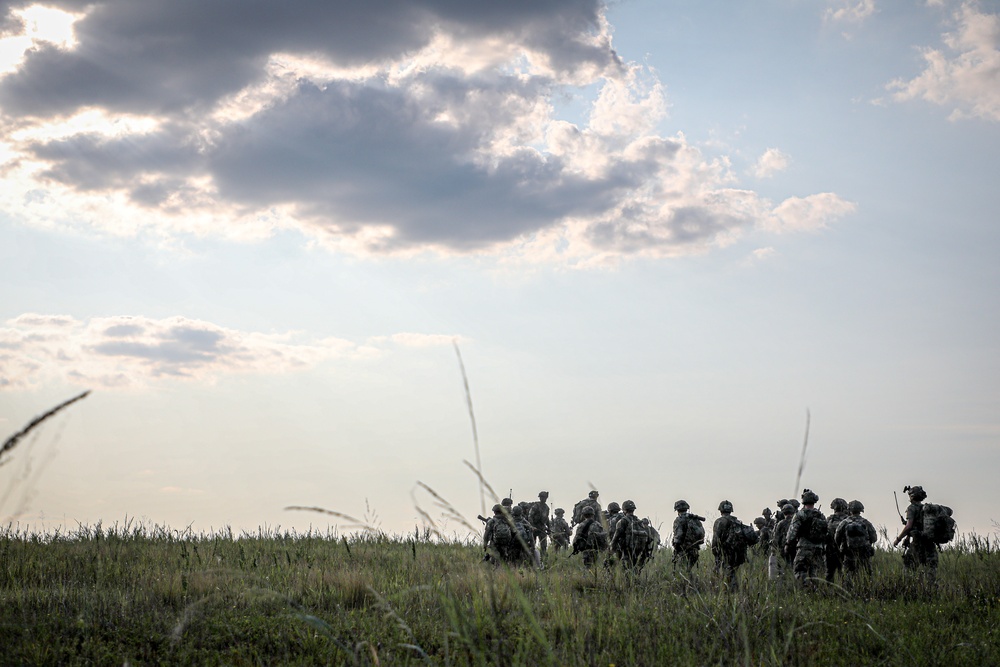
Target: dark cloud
pixel 164 55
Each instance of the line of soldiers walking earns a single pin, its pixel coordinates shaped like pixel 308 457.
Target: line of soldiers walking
pixel 800 538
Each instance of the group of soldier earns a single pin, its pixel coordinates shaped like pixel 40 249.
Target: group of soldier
pixel 799 538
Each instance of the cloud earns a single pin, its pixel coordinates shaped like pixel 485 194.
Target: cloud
pixel 810 213
pixel 850 11
pixel 770 163
pixel 395 127
pixel 965 75
pixel 130 352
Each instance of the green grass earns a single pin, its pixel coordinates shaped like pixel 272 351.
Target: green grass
pixel 149 595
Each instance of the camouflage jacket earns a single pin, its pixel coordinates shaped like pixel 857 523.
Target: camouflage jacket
pixel 590 536
pixel 684 536
pixel 840 539
pixel 805 529
pixel 559 527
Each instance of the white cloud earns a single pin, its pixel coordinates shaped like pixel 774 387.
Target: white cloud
pixel 419 127
pixel 770 163
pixel 966 74
pixel 130 352
pixel 850 11
pixel 808 213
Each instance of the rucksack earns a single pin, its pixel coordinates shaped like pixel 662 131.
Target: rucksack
pixel 695 533
pixel 503 534
pixel 637 538
pixel 937 523
pixel 524 530
pixel 537 515
pixel 816 530
pixel 733 537
pixel 857 536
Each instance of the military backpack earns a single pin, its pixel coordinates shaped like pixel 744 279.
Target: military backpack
pixel 816 529
pixel 857 536
pixel 503 533
pixel 695 532
pixel 938 524
pixel 637 537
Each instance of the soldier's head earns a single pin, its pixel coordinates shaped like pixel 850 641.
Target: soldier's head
pixel 725 507
pixel 613 507
pixel 507 502
pixel 543 495
pixel 767 513
pixel 645 521
pixel 809 497
pixel 760 522
pixel 497 509
pixel 560 511
pixel 628 506
pixel 916 493
pixel 588 512
pixel 517 511
pixel 838 505
pixel 593 494
pixel 794 502
pixel 782 503
pixel 856 507
pixel 681 506
pixel 788 509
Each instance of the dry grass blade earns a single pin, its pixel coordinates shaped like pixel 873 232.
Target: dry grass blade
pixel 472 418
pixel 354 522
pixel 449 510
pixel 34 423
pixel 802 458
pixel 482 481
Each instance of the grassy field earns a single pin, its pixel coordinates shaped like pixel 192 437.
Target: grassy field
pixel 146 595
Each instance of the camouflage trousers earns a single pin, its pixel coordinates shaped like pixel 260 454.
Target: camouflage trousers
pixel 810 562
pixel 921 554
pixel 856 560
pixel 686 557
pixel 541 539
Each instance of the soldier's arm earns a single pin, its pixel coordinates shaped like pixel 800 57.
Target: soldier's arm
pixel 907 529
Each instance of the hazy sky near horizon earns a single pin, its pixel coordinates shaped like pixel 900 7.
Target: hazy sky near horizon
pixel 658 231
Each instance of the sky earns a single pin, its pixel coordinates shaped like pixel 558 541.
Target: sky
pixel 661 234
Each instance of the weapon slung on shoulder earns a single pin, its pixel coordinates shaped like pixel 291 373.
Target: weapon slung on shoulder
pixel 901 519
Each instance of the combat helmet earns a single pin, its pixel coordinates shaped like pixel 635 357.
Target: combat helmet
pixel 497 508
pixel 507 502
pixel 543 495
pixel 916 493
pixel 788 509
pixel 809 497
pixel 628 505
pixel 856 506
pixel 614 507
pixel 760 522
pixel 681 506
pixel 588 511
pixel 794 502
pixel 725 507
pixel 593 494
pixel 559 511
pixel 838 505
pixel 517 511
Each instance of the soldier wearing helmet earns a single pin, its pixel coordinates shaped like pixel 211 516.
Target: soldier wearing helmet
pixel 589 501
pixel 538 517
pixel 612 516
pixel 808 534
pixel 687 537
pixel 630 540
pixel 855 539
pixel 730 539
pixel 559 530
pixel 590 537
pixel 920 551
pixel 833 559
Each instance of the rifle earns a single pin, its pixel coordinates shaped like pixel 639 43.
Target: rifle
pixel 482 518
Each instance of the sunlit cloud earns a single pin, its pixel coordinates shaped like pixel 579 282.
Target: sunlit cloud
pixel 850 11
pixel 965 75
pixel 770 163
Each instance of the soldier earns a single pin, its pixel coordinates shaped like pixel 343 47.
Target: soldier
pixel 524 549
pixel 630 539
pixel 654 535
pixel 919 551
pixel 560 530
pixel 590 537
pixel 833 560
pixel 768 518
pixel 856 539
pixel 688 536
pixel 763 545
pixel 612 516
pixel 491 547
pixel 780 560
pixel 589 501
pixel 538 517
pixel 808 534
pixel 730 539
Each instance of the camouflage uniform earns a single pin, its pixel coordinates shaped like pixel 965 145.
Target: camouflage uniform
pixel 855 540
pixel 559 530
pixel 809 534
pixel 589 501
pixel 538 517
pixel 630 539
pixel 779 559
pixel 729 546
pixel 833 559
pixel 920 551
pixel 590 538
pixel 686 544
pixel 764 532
pixel 523 550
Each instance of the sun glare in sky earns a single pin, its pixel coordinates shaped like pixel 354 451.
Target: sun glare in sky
pixel 40 24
